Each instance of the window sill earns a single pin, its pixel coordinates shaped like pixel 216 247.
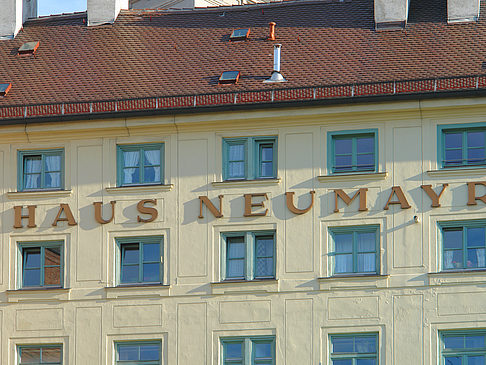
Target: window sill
pixel 139 291
pixel 38 294
pixel 458 172
pixel 452 277
pixel 245 286
pixel 236 183
pixel 38 194
pixel 353 177
pixel 353 281
pixel 139 189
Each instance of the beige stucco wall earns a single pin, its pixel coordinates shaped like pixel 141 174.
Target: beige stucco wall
pixel 407 305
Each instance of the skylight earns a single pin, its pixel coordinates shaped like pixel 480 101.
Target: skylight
pixel 5 88
pixel 29 47
pixel 240 34
pixel 229 77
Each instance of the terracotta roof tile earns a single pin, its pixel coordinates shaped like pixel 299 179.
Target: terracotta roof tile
pixel 157 53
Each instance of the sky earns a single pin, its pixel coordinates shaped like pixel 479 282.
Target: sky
pixel 49 7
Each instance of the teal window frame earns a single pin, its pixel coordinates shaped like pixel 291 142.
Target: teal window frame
pixel 461 352
pixel 250 240
pixel 42 246
pixel 354 230
pixel 249 355
pixel 141 241
pixel 139 361
pixel 354 356
pixel 253 157
pixel 353 135
pixel 21 178
pixel 442 130
pixel 141 148
pixel 464 225
pixel 41 348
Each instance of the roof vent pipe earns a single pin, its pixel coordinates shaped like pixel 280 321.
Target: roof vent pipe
pixel 271 37
pixel 276 75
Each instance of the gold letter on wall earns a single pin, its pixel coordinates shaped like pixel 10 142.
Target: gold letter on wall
pixel 99 214
pixel 290 203
pixel 146 210
pixel 249 205
pixel 217 213
pixel 401 198
pixel 432 195
pixel 346 199
pixel 30 216
pixel 471 191
pixel 69 216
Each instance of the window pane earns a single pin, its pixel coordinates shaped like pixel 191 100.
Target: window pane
pixel 366 362
pixel 151 252
pixel 453 157
pixel 452 238
pixel 152 157
pixel 475 257
pixel 264 267
pixel 51 354
pixel 32 164
pixel 475 360
pixel 453 360
pixel 233 350
pixel 454 342
pixel 236 152
pixel 131 158
pixel 366 241
pixel 365 344
pixel 475 342
pixel 365 145
pixel 32 181
pixel 32 257
pixel 262 350
pixel 343 242
pixel 343 146
pixel 236 247
pixel 343 263
pixel 129 274
pixel 342 362
pixel 366 162
pixel 30 355
pixel 128 352
pixel 149 352
pixel 52 180
pixel 453 259
pixel 475 237
pixel 236 268
pixel 453 140
pixel 475 155
pixel 52 163
pixel 130 254
pixel 366 262
pixel 151 272
pixel 343 344
pixel 151 174
pixel 236 169
pixel 267 153
pixel 52 256
pixel 476 139
pixel 344 162
pixel 31 277
pixel 131 176
pixel 266 169
pixel 52 276
pixel 264 247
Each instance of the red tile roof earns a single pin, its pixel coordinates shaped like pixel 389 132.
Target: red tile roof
pixel 162 53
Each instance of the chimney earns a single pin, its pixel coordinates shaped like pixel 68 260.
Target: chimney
pixel 271 36
pixel 13 14
pixel 104 11
pixel 462 10
pixel 391 14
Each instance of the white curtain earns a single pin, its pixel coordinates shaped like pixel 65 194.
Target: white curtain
pixel 53 163
pixel 236 156
pixel 32 173
pixel 448 255
pixel 153 158
pixel 130 158
pixel 480 254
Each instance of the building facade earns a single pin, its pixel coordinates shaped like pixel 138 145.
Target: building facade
pixel 342 232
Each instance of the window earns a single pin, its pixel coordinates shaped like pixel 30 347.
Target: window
pixel 354 250
pixel 463 245
pixel 248 350
pixel 138 353
pixel 140 164
pixel 356 349
pixel 462 146
pixel 41 170
pixel 249 158
pixel 36 355
pixel 248 255
pixel 42 264
pixel 229 77
pixel 140 260
pixel 463 348
pixel 353 151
